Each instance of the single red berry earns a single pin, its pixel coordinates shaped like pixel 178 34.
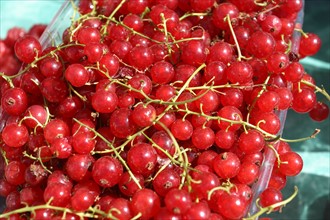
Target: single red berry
pixel 15 135
pixel 58 193
pixel 14 101
pixel 142 159
pixel 230 118
pixel 261 44
pixel 320 112
pixel 56 128
pixel 203 137
pixel 232 205
pixel 162 72
pixel 127 185
pixel 107 171
pixel 178 201
pixel 182 129
pixel 144 115
pixel 77 166
pixel 270 196
pixel 77 75
pixel 146 202
pixel 239 72
pixel 225 139
pixel 27 49
pixel 165 181
pixel 51 66
pixel 222 12
pixel 291 163
pixel 309 44
pixel 121 123
pixel 251 141
pixel 14 172
pixel 208 101
pixel 104 101
pixel 304 100
pixel 140 57
pixel 226 165
pixel 109 64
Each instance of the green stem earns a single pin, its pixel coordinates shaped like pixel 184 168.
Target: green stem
pixel 269 209
pixel 117 154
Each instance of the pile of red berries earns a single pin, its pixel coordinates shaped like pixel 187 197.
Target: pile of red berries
pixel 154 109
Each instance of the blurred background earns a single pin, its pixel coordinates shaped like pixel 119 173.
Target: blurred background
pixel 313 200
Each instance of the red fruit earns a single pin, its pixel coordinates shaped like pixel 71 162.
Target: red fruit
pixel 146 202
pixel 221 12
pixel 162 72
pixel 128 186
pixel 251 142
pixel 77 166
pixel 198 210
pixel 226 165
pixel 261 44
pixel 270 196
pixel 123 206
pixel 88 35
pixel 140 57
pixel 142 84
pixel 291 163
pixel 165 181
pixel 304 100
pixel 208 101
pixel 319 112
pixel 107 171
pixel 27 48
pixel 121 123
pixel 231 117
pixel 15 135
pixel 144 115
pixel 231 206
pixel 14 172
pixel 182 129
pixel 14 101
pixel 59 193
pixel 239 72
pixel 51 66
pixel 56 128
pixel 109 64
pixel 310 44
pixel 194 53
pixel 203 138
pixel 77 75
pixel 104 101
pixel 142 159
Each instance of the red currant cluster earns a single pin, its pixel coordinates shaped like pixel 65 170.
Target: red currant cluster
pixel 154 109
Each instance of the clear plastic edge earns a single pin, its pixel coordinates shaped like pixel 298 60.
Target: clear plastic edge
pixel 52 33
pixel 269 156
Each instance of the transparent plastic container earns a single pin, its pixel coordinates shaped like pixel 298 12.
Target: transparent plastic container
pixel 52 36
pixel 269 155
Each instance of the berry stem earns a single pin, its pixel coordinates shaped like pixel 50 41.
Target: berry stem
pixel 317 89
pixel 189 14
pixel 270 208
pixel 226 186
pixel 313 135
pixel 3 154
pixel 239 53
pixel 39 159
pixel 117 154
pixel 271 146
pixel 92 212
pixel 183 158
